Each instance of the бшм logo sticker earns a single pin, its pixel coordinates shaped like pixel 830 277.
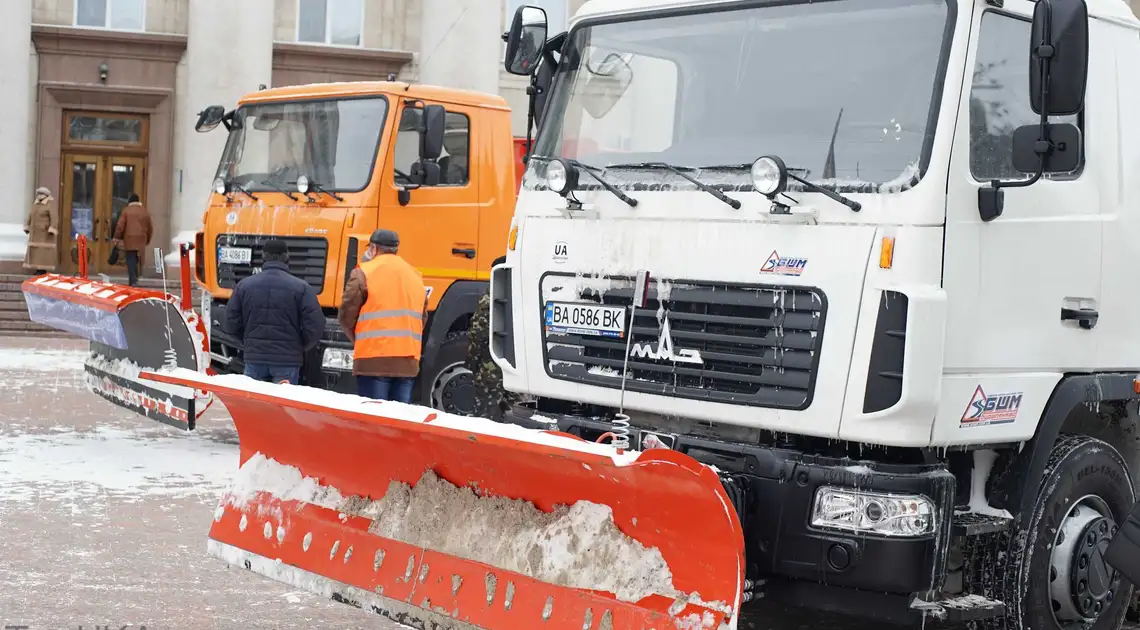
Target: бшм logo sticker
pixel 783 266
pixel 986 410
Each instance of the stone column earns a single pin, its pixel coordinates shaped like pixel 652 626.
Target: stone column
pixel 229 53
pixel 16 112
pixel 460 44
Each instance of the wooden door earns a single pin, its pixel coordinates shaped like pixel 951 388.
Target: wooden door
pixel 125 175
pixel 77 213
pixel 95 190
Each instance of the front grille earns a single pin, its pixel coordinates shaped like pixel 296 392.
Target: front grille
pixel 758 344
pixel 307 256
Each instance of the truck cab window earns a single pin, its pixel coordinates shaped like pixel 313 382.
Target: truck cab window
pixel 999 98
pixel 453 163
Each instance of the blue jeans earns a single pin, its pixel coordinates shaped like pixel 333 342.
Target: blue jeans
pixel 385 388
pixel 273 373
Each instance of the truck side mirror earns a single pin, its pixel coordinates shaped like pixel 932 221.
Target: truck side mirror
pixel 525 40
pixel 1059 57
pixel 1058 73
pixel 431 132
pixel 209 118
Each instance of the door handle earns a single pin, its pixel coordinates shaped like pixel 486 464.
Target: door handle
pixel 468 252
pixel 1085 317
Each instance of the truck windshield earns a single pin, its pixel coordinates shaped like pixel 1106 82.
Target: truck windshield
pixel 332 142
pixel 845 91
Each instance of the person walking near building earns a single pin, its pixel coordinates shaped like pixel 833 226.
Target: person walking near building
pixel 133 232
pixel 41 228
pixel 384 312
pixel 277 317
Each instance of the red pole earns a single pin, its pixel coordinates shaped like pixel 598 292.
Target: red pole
pixel 184 264
pixel 82 249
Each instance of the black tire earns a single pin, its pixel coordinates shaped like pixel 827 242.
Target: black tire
pixel 456 394
pixel 1083 477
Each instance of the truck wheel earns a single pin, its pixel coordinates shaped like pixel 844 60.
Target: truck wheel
pixel 1051 572
pixel 447 384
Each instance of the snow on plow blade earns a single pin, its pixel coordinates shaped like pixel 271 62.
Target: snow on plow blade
pixel 439 521
pixel 130 329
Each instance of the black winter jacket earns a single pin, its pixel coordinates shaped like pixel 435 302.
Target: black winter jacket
pixel 276 315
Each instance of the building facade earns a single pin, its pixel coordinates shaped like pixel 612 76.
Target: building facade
pixel 107 100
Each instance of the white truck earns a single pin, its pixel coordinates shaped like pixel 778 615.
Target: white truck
pixel 881 239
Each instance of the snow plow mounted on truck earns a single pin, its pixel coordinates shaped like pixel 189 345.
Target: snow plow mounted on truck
pixel 856 311
pixel 321 166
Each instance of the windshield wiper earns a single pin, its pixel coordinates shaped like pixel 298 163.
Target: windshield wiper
pixel 317 187
pixel 242 189
pixel 269 182
pixel 825 191
pixel 680 170
pixel 594 172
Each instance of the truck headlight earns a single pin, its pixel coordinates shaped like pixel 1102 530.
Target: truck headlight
pixel 337 359
pixel 898 515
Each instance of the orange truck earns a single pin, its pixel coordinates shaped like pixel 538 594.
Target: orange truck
pixel 321 166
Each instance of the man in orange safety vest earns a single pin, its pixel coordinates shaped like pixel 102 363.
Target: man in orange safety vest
pixel 383 312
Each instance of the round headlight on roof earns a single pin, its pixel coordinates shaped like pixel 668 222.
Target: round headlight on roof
pixel 561 176
pixel 219 185
pixel 769 175
pixel 303 184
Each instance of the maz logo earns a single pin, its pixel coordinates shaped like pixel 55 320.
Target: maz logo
pixel 664 350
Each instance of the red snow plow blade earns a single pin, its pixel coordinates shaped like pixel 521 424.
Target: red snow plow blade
pixel 130 329
pixel 335 496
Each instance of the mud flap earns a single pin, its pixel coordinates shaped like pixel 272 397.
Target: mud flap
pixel 130 330
pixel 351 449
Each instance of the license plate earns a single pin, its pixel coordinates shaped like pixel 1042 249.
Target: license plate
pixel 235 255
pixel 585 319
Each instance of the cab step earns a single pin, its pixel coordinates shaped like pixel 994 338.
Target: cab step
pixel 975 524
pixel 959 609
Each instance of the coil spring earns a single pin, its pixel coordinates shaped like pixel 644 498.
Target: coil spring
pixel 621 431
pixel 171 358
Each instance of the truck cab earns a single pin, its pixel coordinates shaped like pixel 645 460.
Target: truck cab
pixel 321 166
pixel 857 256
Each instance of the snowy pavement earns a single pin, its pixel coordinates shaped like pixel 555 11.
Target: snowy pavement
pixel 105 515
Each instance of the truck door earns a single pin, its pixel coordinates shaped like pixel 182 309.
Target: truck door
pixel 439 226
pixel 1009 279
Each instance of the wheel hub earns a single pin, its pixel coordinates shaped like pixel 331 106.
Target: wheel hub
pixel 454 390
pixel 1082 585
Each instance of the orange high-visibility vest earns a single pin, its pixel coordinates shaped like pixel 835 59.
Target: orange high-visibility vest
pixel 391 320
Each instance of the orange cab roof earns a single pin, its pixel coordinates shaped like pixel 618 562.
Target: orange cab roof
pixel 371 88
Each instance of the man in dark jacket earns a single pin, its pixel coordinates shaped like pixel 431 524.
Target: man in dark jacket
pixel 277 317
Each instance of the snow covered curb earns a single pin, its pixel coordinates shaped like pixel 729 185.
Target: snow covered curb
pixel 577 546
pixel 408 413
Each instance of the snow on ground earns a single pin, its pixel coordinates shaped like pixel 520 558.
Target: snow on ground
pixel 128 465
pixel 104 514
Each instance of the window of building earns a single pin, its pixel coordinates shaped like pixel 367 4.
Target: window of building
pixel 999 98
pixel 120 15
pixel 453 163
pixel 556 18
pixel 331 22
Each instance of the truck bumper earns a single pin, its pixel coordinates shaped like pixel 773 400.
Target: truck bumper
pixel 774 491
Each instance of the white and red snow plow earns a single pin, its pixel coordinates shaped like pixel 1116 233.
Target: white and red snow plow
pixel 454 522
pixel 130 329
